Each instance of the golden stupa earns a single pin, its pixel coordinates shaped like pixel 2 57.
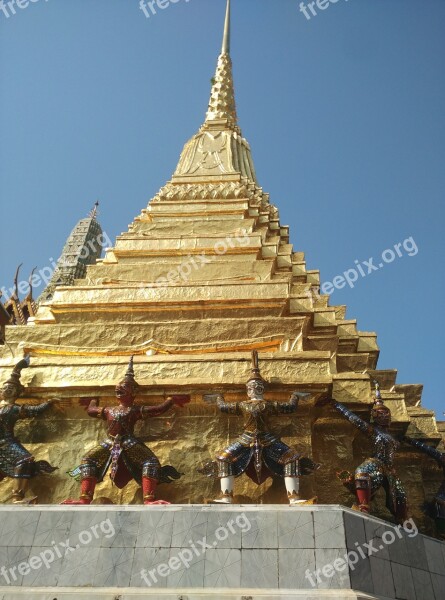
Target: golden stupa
pixel 203 276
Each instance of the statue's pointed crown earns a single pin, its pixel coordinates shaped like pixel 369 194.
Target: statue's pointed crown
pixel 255 369
pixel 129 375
pixel 14 379
pixel 379 406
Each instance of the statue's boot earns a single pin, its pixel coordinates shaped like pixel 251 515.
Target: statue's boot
pixel 401 511
pixel 440 526
pixel 364 498
pixel 293 492
pixel 18 497
pixel 86 492
pixel 363 490
pixel 295 499
pixel 149 486
pixel 225 498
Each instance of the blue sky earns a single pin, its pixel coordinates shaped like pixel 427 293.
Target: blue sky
pixel 344 113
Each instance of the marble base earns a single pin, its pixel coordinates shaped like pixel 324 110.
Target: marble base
pixel 183 552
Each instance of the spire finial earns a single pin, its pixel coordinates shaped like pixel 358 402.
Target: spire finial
pixel 222 97
pixel 95 210
pixel 226 39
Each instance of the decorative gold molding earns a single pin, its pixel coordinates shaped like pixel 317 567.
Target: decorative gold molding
pixel 156 307
pixel 157 348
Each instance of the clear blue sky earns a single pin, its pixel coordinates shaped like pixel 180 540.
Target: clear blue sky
pixel 344 114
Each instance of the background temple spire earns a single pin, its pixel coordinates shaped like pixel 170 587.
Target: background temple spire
pixel 95 210
pixel 82 248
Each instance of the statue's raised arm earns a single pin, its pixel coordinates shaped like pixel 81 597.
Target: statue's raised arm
pixel 230 408
pixel 291 406
pixel 358 422
pixel 439 457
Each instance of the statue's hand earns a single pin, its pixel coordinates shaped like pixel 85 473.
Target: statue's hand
pixel 57 405
pixel 87 402
pixel 301 395
pixel 54 400
pixel 180 400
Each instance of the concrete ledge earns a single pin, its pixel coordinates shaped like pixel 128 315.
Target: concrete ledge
pixel 179 594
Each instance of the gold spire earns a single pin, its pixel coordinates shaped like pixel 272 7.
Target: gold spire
pixel 218 152
pixel 222 97
pixel 226 39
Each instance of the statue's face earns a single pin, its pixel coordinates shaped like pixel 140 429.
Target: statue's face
pixel 125 393
pixel 382 418
pixel 255 390
pixel 10 393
